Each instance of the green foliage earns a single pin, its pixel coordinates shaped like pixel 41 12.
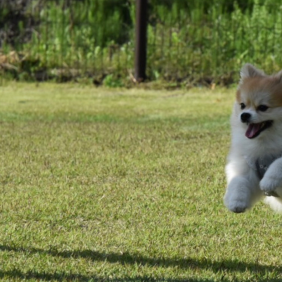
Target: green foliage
pixel 214 43
pixel 111 81
pixel 188 41
pixel 75 32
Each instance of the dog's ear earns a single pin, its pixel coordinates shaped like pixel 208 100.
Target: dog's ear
pixel 249 70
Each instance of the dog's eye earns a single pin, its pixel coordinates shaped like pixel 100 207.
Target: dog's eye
pixel 243 106
pixel 262 108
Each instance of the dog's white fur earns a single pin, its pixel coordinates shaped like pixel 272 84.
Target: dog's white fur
pixel 244 187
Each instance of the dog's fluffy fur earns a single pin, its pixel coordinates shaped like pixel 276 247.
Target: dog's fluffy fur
pixel 256 124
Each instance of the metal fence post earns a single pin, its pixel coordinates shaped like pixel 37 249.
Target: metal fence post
pixel 141 40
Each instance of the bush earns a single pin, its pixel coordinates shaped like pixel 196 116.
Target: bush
pixel 188 41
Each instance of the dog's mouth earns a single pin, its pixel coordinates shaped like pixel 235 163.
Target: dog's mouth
pixel 254 129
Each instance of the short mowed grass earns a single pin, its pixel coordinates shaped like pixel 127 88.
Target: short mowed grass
pixel 124 185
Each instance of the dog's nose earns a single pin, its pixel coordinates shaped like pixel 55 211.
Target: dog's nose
pixel 245 117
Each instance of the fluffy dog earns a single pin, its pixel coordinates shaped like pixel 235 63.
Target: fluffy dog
pixel 254 166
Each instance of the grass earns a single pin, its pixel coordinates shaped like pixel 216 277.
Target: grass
pixel 124 185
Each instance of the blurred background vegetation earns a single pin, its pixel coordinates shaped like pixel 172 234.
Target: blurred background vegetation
pixel 189 42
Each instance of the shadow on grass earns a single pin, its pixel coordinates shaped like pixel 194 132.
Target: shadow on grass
pixel 126 258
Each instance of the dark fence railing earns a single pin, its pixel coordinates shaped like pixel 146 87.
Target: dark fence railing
pixel 188 42
pixel 141 39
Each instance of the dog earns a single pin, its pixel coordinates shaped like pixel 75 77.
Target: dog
pixel 254 163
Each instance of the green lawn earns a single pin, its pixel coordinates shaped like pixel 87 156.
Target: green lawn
pixel 124 185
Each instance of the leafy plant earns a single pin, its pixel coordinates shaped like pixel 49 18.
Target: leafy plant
pixel 192 41
pixel 111 81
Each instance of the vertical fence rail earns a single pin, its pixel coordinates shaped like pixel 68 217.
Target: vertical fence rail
pixel 141 40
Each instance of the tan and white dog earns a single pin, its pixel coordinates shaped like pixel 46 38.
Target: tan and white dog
pixel 254 167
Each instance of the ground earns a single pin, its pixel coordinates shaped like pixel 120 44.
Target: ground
pixel 124 185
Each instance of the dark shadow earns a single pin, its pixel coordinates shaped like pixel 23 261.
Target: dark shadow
pixel 127 258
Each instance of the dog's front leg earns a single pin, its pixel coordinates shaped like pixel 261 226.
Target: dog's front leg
pixel 272 178
pixel 242 189
pixel 240 194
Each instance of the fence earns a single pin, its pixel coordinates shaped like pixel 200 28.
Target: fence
pixel 189 42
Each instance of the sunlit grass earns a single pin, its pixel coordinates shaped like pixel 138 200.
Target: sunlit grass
pixel 124 185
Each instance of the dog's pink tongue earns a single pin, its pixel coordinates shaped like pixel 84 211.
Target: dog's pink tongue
pixel 252 130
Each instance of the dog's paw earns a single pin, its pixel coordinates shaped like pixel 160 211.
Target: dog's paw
pixel 269 184
pixel 236 206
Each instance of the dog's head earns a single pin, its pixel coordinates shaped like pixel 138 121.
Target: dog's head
pixel 258 101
